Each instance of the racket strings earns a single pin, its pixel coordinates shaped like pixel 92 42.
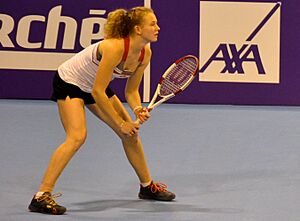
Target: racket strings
pixel 178 77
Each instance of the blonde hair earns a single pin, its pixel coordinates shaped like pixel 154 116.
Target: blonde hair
pixel 120 22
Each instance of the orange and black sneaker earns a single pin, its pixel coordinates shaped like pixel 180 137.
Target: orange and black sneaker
pixel 46 204
pixel 156 191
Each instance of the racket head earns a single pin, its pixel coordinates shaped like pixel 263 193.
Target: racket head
pixel 178 76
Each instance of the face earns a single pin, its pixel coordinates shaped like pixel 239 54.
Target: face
pixel 149 29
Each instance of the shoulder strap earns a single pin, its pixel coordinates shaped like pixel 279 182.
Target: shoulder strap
pixel 141 58
pixel 126 48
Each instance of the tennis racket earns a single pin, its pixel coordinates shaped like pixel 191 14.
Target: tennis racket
pixel 175 79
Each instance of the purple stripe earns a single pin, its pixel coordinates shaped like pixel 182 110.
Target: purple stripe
pixel 264 21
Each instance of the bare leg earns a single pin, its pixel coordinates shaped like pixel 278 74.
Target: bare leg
pixel 132 145
pixel 72 115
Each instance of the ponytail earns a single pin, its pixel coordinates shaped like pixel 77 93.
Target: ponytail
pixel 120 23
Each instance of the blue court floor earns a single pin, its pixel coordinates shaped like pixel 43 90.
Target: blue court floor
pixel 225 163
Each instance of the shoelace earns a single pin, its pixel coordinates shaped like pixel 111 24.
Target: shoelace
pixel 48 198
pixel 160 187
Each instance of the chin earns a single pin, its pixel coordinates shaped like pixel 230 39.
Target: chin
pixel 154 39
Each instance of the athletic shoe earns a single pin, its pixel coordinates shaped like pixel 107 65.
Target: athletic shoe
pixel 46 204
pixel 156 191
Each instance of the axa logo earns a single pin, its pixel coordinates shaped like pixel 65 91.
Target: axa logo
pixel 254 59
pixel 18 34
pixel 234 58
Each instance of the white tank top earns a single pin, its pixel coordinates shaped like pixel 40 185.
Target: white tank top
pixel 81 69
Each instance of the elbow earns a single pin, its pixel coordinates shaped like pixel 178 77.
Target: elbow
pixel 99 96
pixel 131 92
pixel 128 95
pixel 95 94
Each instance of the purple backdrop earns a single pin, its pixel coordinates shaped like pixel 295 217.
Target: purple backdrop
pixel 179 22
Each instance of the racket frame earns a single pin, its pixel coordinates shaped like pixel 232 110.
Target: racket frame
pixel 167 97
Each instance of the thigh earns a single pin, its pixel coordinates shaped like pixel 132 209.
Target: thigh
pixel 72 115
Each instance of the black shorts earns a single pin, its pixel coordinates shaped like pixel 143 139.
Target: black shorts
pixel 62 89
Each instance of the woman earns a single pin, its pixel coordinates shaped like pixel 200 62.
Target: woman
pixel 84 81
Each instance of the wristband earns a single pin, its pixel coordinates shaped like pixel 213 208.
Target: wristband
pixel 137 108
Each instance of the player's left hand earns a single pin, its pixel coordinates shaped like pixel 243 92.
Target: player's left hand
pixel 142 114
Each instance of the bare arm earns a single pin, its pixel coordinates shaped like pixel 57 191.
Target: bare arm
pixel 132 94
pixel 111 56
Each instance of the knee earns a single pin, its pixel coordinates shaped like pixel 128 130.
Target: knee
pixel 76 139
pixel 130 139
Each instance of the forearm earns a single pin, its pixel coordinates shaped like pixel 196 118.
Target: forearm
pixel 133 99
pixel 107 108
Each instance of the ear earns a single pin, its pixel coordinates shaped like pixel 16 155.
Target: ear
pixel 138 29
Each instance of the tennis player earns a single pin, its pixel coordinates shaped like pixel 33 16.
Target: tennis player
pixel 84 80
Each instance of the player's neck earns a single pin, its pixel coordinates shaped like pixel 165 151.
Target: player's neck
pixel 137 43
